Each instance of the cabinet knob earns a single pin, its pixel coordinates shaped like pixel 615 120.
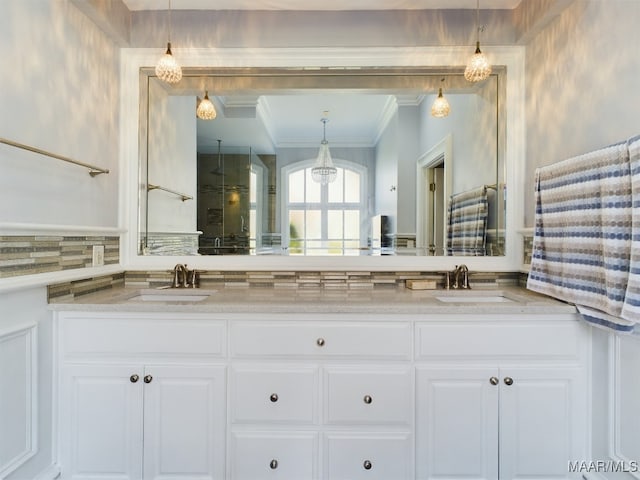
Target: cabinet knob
pixel 274 397
pixel 367 465
pixel 367 399
pixel 273 464
pixel 148 378
pixel 494 380
pixel 134 378
pixel 320 342
pixel 508 381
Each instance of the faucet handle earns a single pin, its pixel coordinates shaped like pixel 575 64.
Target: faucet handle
pixel 192 278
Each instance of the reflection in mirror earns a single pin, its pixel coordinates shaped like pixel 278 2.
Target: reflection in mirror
pixel 406 184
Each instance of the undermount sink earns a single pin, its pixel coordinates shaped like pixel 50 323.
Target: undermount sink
pixel 172 295
pixel 465 297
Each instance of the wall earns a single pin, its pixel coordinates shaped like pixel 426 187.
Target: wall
pixel 582 84
pixel 386 160
pixel 60 92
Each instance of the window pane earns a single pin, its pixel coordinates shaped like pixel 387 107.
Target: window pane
pixel 351 186
pixel 336 188
pixel 314 224
pixel 351 224
pixel 334 223
pixel 296 232
pixel 296 187
pixel 313 189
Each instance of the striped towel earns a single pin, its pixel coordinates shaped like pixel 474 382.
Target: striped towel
pixel 582 239
pixel 467 223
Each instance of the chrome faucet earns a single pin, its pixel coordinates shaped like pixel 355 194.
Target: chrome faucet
pixel 464 271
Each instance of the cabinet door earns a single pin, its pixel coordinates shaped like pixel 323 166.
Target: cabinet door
pixel 101 422
pixel 184 422
pixel 542 422
pixel 457 423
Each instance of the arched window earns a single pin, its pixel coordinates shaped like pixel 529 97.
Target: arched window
pixel 324 219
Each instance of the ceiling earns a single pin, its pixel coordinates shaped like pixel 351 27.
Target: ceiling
pixel 320 5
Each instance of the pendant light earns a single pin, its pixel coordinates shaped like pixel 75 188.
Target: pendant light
pixel 167 69
pixel 478 66
pixel 206 110
pixel 323 171
pixel 440 107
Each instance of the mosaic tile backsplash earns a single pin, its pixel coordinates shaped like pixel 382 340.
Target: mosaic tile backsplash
pixel 27 255
pixel 279 279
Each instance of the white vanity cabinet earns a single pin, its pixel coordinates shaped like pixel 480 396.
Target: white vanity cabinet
pixel 489 411
pixel 321 397
pixel 312 396
pixel 143 405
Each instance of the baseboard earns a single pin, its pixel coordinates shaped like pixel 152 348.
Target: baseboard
pixel 49 474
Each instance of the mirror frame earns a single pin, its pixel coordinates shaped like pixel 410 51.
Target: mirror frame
pixel 132 60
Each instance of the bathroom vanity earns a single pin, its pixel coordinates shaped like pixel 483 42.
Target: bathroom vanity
pixel 387 384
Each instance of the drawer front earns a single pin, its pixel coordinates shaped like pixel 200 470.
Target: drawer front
pixel 368 396
pixel 159 335
pixel 274 395
pixel 320 339
pixel 368 456
pixel 509 338
pixel 280 456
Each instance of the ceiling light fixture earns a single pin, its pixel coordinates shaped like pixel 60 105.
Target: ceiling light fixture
pixel 206 110
pixel 478 66
pixel 440 107
pixel 167 69
pixel 324 172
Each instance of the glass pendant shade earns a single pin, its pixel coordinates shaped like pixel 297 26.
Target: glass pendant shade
pixel 167 69
pixel 206 110
pixel 478 68
pixel 323 171
pixel 440 107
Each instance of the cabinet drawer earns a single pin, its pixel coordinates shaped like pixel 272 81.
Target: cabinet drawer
pixel 321 339
pixel 491 338
pixel 368 456
pixel 368 396
pixel 274 395
pixel 157 335
pixel 281 456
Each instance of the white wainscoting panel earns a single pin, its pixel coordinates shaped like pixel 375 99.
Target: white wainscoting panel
pixel 18 397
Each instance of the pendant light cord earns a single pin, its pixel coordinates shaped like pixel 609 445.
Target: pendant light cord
pixel 169 38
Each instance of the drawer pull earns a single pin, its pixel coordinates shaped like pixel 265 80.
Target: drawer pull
pixel 274 397
pixel 367 465
pixel 148 378
pixel 134 378
pixel 508 381
pixel 494 380
pixel 273 464
pixel 320 342
pixel 368 399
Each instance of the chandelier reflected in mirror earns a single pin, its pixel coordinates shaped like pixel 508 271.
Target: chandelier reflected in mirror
pixel 323 171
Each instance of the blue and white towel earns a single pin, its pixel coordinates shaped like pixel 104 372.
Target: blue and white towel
pixel 583 235
pixel 467 223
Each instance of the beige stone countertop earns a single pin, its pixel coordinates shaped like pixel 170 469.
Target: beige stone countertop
pixel 498 300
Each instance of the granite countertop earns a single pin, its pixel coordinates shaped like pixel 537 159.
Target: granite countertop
pixel 499 300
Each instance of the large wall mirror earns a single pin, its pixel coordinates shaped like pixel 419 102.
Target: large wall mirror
pixel 406 182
